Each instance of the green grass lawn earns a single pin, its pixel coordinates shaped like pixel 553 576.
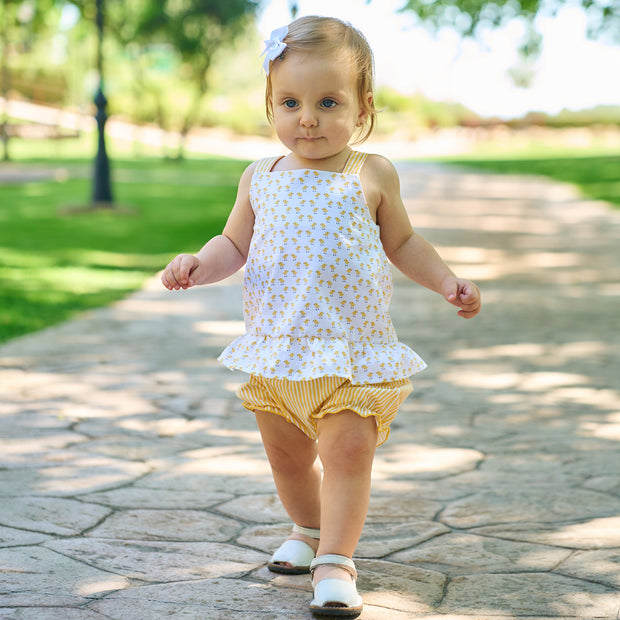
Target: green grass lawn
pixel 54 262
pixel 596 175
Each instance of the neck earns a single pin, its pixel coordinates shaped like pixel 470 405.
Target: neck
pixel 335 163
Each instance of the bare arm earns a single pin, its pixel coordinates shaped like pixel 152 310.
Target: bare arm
pixel 411 253
pixel 420 262
pixel 221 256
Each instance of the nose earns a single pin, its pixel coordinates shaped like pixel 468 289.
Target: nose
pixel 308 118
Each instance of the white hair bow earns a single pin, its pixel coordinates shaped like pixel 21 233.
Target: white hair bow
pixel 274 46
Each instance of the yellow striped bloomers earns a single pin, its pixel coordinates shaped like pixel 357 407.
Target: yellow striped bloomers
pixel 302 403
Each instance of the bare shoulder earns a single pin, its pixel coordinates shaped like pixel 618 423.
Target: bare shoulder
pixel 380 167
pixel 379 181
pixel 245 181
pixel 380 174
pixel 249 171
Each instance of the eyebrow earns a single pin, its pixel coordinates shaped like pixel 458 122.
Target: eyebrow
pixel 337 94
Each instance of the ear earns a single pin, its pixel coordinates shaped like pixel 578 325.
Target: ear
pixel 361 119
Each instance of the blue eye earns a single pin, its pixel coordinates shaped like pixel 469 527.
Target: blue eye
pixel 328 103
pixel 290 104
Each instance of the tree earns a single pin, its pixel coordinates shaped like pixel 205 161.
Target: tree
pixel 20 20
pixel 192 29
pixel 467 16
pixel 196 29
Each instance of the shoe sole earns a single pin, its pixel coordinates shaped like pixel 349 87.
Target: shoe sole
pixel 336 612
pixel 288 570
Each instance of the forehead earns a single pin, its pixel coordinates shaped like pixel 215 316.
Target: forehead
pixel 313 70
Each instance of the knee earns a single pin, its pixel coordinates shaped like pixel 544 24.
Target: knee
pixel 350 451
pixel 284 460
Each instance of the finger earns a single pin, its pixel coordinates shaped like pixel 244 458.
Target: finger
pixel 171 276
pixel 468 314
pixel 467 304
pixel 167 280
pixel 451 294
pixel 470 296
pixel 469 290
pixel 172 284
pixel 183 272
pixel 470 310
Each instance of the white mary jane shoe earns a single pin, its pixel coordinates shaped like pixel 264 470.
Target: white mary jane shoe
pixel 293 557
pixel 336 597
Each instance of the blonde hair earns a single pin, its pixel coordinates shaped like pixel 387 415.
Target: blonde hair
pixel 330 35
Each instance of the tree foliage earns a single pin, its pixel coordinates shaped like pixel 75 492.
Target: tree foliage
pixel 192 30
pixel 468 16
pixel 20 21
pixel 196 29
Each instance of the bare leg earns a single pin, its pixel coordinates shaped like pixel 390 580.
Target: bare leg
pixel 296 473
pixel 346 445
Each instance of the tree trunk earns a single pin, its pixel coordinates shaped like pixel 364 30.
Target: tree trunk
pixel 6 85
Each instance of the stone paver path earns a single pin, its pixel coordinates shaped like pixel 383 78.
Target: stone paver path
pixel 133 484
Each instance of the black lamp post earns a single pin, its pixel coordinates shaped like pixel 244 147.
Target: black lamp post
pixel 102 191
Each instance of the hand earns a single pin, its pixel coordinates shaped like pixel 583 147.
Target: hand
pixel 178 273
pixel 464 294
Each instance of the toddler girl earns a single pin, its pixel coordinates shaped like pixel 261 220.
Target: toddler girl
pixel 315 229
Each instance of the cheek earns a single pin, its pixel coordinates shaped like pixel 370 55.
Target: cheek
pixel 279 123
pixel 344 124
pixel 282 118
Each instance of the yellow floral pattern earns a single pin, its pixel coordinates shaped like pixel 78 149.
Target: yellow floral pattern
pixel 317 282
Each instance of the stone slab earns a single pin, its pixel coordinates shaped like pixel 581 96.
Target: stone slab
pixel 32 448
pixel 51 515
pixel 605 483
pixel 141 449
pixel 13 537
pixel 137 497
pixel 47 613
pixel 424 461
pixel 259 508
pixel 597 533
pixel 381 539
pixel 40 576
pixel 542 503
pixel 403 506
pixel 174 525
pixel 402 588
pixel 191 477
pixel 73 476
pixel 600 566
pixel 466 554
pixel 526 595
pixel 215 599
pixel 161 561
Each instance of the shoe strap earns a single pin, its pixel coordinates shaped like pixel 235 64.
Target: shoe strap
pixel 342 561
pixel 307 531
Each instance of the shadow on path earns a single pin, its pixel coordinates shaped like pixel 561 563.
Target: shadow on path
pixel 130 475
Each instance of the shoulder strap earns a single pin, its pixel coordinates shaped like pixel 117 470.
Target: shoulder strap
pixel 266 164
pixel 355 162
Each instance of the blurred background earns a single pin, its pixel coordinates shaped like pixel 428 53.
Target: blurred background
pixel 124 125
pixel 475 68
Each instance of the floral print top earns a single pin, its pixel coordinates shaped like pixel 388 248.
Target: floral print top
pixel 317 282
